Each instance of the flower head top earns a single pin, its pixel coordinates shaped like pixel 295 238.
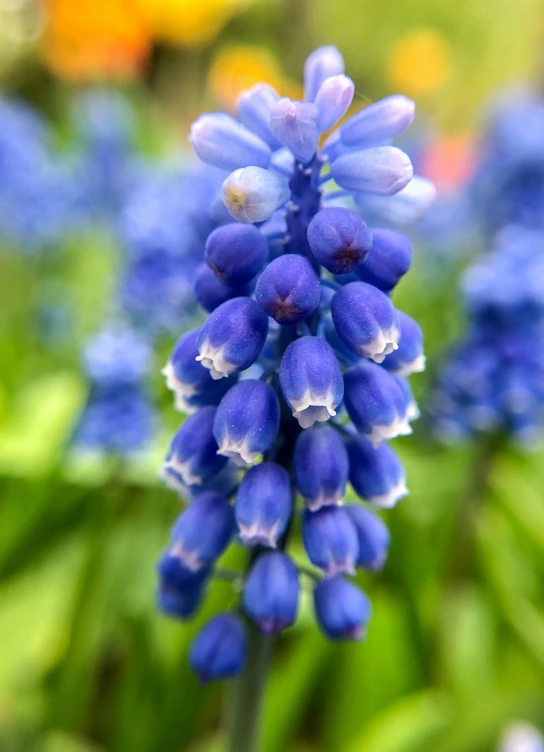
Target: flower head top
pixel 299 370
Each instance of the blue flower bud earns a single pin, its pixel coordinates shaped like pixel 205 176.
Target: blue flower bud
pixel 379 123
pixel 211 292
pixel 321 64
pixel 376 474
pixel 192 458
pixel 373 537
pixel 339 239
pixel 409 357
pixel 236 253
pixel 376 402
pixel 263 505
pixel 203 530
pixel 333 100
pixel 388 261
pixel 180 589
pixel 405 207
pixel 384 170
pixel 320 467
pixel 191 383
pixel 311 380
pixel 252 194
pixel 232 337
pixel 247 421
pixel 330 540
pixel 342 609
pixel 365 320
pixel 222 141
pixel 295 124
pixel 271 592
pixel 254 106
pixel 288 289
pixel 219 649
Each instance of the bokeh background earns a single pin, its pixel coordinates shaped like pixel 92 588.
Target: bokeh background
pixel 96 101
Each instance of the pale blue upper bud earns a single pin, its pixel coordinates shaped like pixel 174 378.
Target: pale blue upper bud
pixel 311 380
pixel 288 289
pixel 379 123
pixel 247 421
pixel 222 141
pixel 330 540
pixel 320 467
pixel 339 239
pixel 407 206
pixel 373 537
pixel 219 649
pixel 271 592
pixel 366 320
pixel 253 194
pixel 409 357
pixel 321 64
pixel 254 106
pixel 232 337
pixel 376 402
pixel 384 170
pixel 192 458
pixel 388 261
pixel 295 124
pixel 263 505
pixel 342 609
pixel 333 100
pixel 376 473
pixel 203 530
pixel 236 253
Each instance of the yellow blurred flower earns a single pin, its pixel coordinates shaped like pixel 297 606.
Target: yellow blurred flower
pixel 239 67
pixel 420 62
pixel 188 22
pixel 95 38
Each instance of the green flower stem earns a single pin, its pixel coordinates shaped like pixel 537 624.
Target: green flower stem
pixel 248 693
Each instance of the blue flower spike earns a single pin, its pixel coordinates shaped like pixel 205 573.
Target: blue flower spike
pixel 298 374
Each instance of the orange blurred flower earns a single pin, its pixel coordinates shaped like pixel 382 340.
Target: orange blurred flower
pixel 239 67
pixel 449 162
pixel 95 38
pixel 420 62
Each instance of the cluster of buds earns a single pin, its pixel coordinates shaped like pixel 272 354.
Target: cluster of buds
pixel 299 371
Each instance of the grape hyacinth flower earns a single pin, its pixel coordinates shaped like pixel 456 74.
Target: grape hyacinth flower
pixel 118 417
pixel 310 335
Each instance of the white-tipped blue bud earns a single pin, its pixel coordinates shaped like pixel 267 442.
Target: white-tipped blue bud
pixel 311 380
pixel 263 505
pixel 295 124
pixel 366 320
pixel 321 64
pixel 407 206
pixel 379 123
pixel 333 100
pixel 330 540
pixel 373 537
pixel 232 337
pixel 222 141
pixel 320 467
pixel 409 357
pixel 384 170
pixel 271 592
pixel 247 421
pixel 376 473
pixel 252 194
pixel 342 610
pixel 254 106
pixel 377 402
